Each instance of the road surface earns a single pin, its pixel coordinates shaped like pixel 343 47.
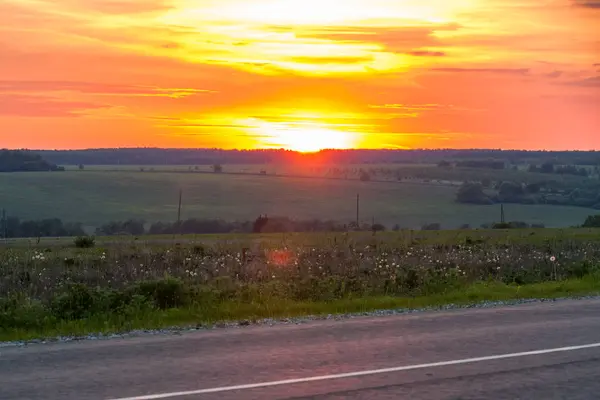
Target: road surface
pixel 533 351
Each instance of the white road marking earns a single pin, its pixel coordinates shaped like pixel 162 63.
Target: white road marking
pixel 359 373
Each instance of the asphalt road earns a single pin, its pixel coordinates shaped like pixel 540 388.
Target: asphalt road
pixel 430 354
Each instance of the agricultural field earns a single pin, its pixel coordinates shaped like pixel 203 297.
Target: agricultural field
pixel 403 238
pixel 119 285
pixel 380 172
pixel 95 197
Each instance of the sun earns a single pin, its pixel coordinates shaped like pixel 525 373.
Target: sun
pixel 306 138
pixel 314 139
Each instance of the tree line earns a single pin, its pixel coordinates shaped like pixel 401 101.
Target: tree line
pixel 533 193
pixel 157 156
pixel 13 227
pixel 24 161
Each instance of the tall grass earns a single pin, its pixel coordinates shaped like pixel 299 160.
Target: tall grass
pixel 74 290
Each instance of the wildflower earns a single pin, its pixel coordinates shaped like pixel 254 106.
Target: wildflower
pixel 552 259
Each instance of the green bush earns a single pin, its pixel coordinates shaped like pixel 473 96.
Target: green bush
pixel 18 312
pixel 85 242
pixel 593 221
pixel 165 293
pixel 77 302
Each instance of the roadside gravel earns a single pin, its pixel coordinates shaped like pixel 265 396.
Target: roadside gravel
pixel 178 330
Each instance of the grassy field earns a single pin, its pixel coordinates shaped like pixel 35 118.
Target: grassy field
pixel 95 197
pixel 129 284
pixel 272 168
pixel 403 238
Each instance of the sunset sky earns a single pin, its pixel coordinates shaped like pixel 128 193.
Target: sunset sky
pixel 300 74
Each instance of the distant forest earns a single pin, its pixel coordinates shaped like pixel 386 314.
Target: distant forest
pixel 155 156
pixel 13 227
pixel 24 161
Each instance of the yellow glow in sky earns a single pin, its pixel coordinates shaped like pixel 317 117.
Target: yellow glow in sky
pixel 303 137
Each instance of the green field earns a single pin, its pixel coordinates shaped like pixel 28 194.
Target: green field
pixel 318 239
pixel 95 197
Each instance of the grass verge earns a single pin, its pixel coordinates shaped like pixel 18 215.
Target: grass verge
pixel 276 307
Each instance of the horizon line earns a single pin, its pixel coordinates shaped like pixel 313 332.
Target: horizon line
pixel 308 153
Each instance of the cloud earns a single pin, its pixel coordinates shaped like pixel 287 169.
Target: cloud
pixel 126 7
pixel 508 71
pixel 587 3
pixel 184 124
pixel 97 88
pixel 41 106
pixel 112 7
pixel 593 81
pixel 332 60
pixel 410 107
pixel 426 53
pixel 392 38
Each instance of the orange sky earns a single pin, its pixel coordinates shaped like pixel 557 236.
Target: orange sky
pixel 301 74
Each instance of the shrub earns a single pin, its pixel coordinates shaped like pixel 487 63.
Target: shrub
pixel 364 176
pixel 593 221
pixel 76 302
pixel 472 193
pixel 378 227
pixel 85 242
pixel 164 293
pixel 432 227
pixel 21 313
pixel 79 301
pixel 501 225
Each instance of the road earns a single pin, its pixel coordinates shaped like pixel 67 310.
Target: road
pixel 418 356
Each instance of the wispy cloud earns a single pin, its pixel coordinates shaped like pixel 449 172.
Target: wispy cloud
pixel 592 81
pixel 595 4
pixel 97 88
pixel 47 107
pixel 426 53
pixel 510 71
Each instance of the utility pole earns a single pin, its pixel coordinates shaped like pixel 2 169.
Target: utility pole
pixel 179 207
pixel 4 225
pixel 358 211
pixel 502 219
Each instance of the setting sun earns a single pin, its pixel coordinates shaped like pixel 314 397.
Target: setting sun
pixel 305 137
pixel 314 139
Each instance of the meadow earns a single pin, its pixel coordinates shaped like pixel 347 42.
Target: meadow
pixel 95 197
pixel 122 285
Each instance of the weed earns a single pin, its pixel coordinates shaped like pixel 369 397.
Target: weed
pixel 85 242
